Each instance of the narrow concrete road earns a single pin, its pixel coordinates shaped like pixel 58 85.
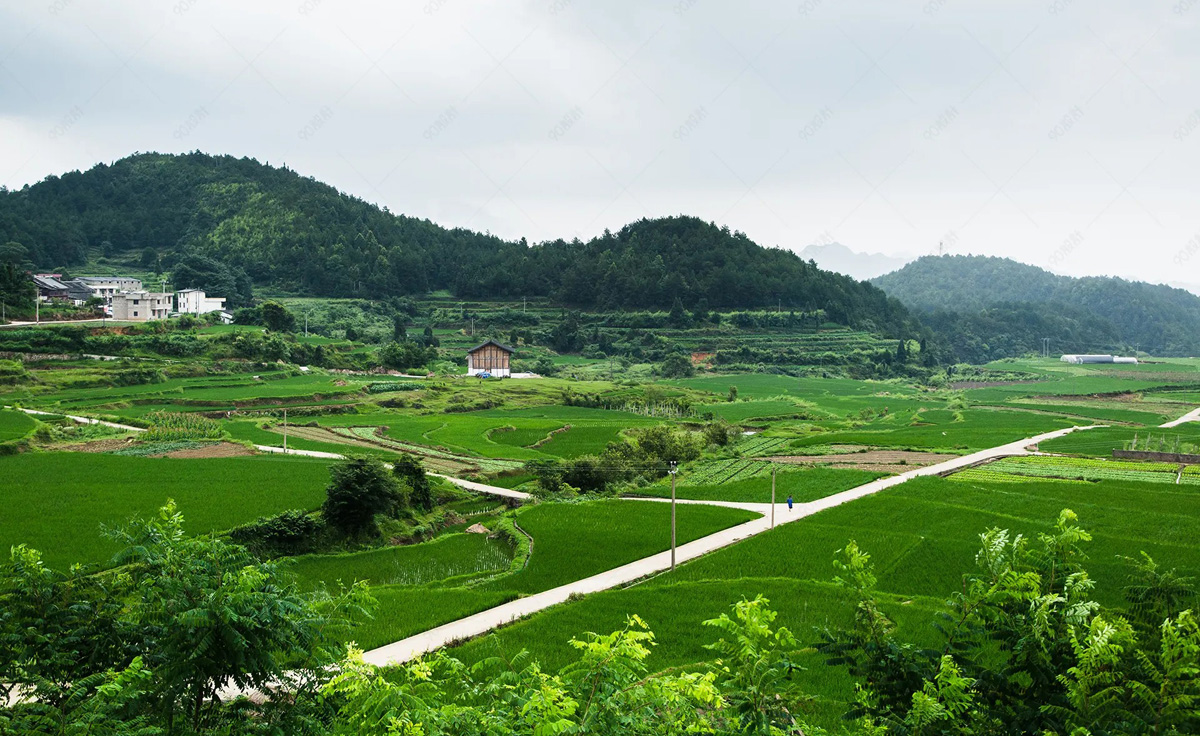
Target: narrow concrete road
pixel 471 485
pixel 299 453
pixel 82 420
pixel 1191 416
pixel 484 621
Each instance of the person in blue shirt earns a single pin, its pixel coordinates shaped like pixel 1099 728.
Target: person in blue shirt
pixel 789 502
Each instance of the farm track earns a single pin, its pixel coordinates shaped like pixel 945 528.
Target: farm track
pixel 1191 416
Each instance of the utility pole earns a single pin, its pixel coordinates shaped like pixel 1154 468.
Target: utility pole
pixel 672 471
pixel 523 300
pixel 37 309
pixel 772 496
pixel 285 430
pixel 306 322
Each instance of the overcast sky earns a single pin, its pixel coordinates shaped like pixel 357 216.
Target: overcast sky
pixel 1063 133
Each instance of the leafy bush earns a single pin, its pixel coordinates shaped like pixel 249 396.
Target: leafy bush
pixel 289 533
pixel 404 356
pixel 676 366
pixel 12 372
pixel 137 376
pixel 358 490
pixel 408 469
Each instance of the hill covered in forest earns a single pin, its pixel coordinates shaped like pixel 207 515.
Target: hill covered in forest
pixel 988 307
pixel 301 235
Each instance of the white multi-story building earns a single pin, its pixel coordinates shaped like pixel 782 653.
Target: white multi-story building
pixel 194 301
pixel 141 306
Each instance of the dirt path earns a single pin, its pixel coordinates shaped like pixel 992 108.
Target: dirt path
pixel 216 449
pixel 867 459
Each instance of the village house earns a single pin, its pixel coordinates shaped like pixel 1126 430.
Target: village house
pixel 49 287
pixel 106 287
pixel 141 306
pixel 194 301
pixel 79 292
pixel 489 357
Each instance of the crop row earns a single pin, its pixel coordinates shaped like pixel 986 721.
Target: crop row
pixel 759 445
pixel 1013 469
pixel 727 471
pixel 170 426
pixel 384 387
pixel 1084 462
pixel 987 475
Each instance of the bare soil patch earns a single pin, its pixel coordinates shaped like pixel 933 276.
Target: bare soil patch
pixel 108 445
pixel 885 461
pixel 217 449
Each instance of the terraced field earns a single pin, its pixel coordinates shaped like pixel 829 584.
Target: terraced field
pixel 1078 469
pixel 14 425
pixel 57 501
pixel 718 472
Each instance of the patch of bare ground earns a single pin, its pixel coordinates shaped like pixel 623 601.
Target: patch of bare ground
pixel 217 449
pixel 109 445
pixel 882 461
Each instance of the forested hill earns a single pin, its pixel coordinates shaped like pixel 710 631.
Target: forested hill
pixel 299 234
pixel 991 307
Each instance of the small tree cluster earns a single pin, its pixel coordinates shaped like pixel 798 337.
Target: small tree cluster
pixel 648 457
pixel 359 489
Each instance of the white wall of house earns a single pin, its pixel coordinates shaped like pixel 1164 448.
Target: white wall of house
pixel 194 301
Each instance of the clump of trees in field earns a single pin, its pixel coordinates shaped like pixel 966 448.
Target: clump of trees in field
pixel 361 491
pixel 648 457
pixel 1021 647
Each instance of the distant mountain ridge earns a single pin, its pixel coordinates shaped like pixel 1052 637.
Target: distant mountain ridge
pixel 300 235
pixel 841 259
pixel 982 302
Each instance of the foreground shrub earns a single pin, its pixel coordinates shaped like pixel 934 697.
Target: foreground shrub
pixel 289 533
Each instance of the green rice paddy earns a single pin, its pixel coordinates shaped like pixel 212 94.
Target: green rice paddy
pixel 58 502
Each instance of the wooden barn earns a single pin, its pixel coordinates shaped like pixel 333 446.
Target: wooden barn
pixel 489 357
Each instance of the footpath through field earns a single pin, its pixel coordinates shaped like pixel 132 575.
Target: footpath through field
pixel 484 621
pixel 1191 416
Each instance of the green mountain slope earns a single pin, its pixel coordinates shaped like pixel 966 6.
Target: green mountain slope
pixel 304 236
pixel 993 307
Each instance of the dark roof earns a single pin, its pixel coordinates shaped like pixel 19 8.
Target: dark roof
pixel 46 282
pixel 75 286
pixel 490 341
